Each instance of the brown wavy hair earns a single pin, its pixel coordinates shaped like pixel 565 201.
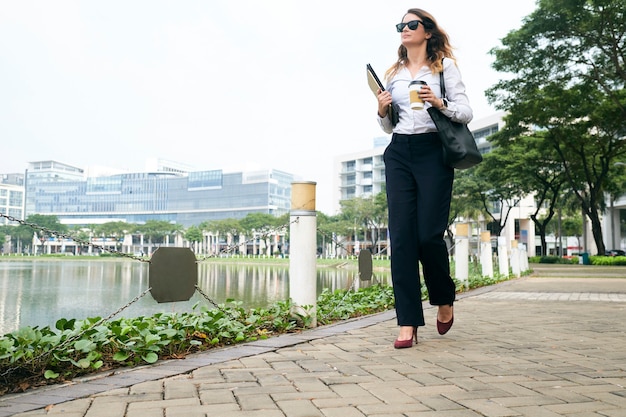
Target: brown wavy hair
pixel 437 47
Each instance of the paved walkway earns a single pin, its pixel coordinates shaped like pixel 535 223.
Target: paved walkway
pixel 538 347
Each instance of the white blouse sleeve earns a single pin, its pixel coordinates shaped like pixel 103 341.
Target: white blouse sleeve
pixel 459 108
pixel 385 123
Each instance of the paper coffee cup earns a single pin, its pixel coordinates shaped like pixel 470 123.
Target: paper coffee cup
pixel 414 98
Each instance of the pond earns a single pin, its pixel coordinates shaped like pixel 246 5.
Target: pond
pixel 39 292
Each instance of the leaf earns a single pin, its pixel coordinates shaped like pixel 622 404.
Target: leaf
pixel 83 363
pixel 50 374
pixel 150 357
pixel 152 338
pixel 120 356
pixel 84 345
pixel 60 324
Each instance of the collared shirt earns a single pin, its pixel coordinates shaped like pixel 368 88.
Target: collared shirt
pixel 419 121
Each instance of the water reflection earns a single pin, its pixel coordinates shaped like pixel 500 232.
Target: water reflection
pixel 37 293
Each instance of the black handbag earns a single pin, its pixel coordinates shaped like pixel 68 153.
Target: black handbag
pixel 459 147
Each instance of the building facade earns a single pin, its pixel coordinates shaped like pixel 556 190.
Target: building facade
pixel 11 196
pixel 167 193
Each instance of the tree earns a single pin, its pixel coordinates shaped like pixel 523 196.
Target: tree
pixel 568 77
pixel 225 227
pixel 156 230
pixel 368 213
pixel 488 187
pixel 44 226
pixel 262 223
pixel 534 165
pixel 193 234
pixel 466 203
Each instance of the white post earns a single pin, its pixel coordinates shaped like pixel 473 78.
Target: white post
pixel 515 266
pixel 523 260
pixel 503 256
pixel 461 253
pixel 486 259
pixel 303 251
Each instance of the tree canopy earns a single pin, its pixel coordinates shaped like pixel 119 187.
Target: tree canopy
pixel 566 81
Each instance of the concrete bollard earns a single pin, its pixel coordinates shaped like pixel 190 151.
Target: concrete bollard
pixel 461 253
pixel 523 260
pixel 303 251
pixel 486 260
pixel 503 257
pixel 515 265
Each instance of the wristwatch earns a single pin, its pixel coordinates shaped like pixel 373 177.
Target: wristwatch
pixel 445 104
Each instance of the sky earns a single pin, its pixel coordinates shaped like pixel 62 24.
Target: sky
pixel 235 85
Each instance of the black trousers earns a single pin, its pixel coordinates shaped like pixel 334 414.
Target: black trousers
pixel 419 191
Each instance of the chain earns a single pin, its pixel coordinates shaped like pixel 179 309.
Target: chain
pixel 214 304
pixel 340 303
pixel 78 335
pixel 75 239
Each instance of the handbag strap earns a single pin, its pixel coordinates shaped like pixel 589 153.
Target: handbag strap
pixel 442 83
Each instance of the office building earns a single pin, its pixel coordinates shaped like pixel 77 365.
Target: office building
pixel 167 192
pixel 11 197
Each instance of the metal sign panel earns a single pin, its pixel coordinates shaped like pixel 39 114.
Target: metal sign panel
pixel 173 274
pixel 365 265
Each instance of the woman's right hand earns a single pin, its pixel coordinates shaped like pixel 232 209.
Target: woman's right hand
pixel 384 101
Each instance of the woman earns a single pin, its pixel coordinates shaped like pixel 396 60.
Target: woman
pixel 419 185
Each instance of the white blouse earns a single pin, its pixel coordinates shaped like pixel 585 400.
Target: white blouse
pixel 419 121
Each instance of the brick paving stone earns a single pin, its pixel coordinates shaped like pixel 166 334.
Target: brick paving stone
pixel 609 398
pixel 535 411
pixel 70 408
pixel 440 403
pixel 488 407
pixel 385 408
pixel 427 391
pixel 253 413
pixel 304 395
pixel 347 411
pixel 573 407
pixel 207 374
pixel 238 375
pixel 200 410
pixel 335 402
pixel 104 406
pixel 178 387
pixel 305 382
pixel 271 379
pixel 614 413
pixel 299 408
pixel 163 404
pixel 217 396
pixel 448 413
pixel 149 387
pixel 145 412
pixel 256 402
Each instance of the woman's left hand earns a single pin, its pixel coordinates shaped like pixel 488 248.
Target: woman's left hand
pixel 429 96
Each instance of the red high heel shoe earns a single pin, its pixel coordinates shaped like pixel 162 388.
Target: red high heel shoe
pixel 403 344
pixel 443 328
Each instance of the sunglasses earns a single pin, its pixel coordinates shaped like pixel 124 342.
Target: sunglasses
pixel 413 24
